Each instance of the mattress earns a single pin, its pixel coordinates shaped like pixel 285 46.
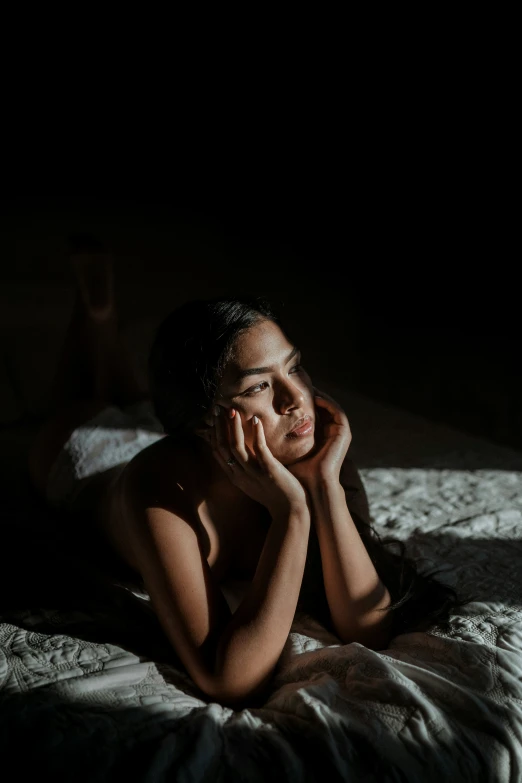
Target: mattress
pixel 93 691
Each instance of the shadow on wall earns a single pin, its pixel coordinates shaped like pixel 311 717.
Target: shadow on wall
pixel 441 348
pixel 432 348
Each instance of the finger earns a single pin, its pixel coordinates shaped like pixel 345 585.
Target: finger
pixel 327 402
pixel 323 394
pixel 237 436
pixel 220 455
pixel 261 450
pixel 333 408
pixel 323 397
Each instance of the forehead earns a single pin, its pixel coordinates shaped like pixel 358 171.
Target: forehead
pixel 262 341
pixel 262 345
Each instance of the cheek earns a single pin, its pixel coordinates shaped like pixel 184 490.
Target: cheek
pixel 307 386
pixel 285 450
pixel 247 412
pixel 269 420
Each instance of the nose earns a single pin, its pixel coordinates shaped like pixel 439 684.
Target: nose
pixel 288 397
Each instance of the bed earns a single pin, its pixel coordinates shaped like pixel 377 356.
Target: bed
pixel 90 691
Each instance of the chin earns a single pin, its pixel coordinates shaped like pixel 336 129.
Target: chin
pixel 299 449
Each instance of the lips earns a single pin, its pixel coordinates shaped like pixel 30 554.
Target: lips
pixel 303 426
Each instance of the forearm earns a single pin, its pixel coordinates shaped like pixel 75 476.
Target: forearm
pixel 251 644
pixel 353 588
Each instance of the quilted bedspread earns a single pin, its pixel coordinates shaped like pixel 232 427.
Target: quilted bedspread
pixel 90 691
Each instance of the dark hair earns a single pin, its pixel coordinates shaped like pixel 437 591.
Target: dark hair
pixel 417 600
pixel 189 353
pixel 187 359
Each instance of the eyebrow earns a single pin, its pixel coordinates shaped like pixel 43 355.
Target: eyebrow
pixel 259 370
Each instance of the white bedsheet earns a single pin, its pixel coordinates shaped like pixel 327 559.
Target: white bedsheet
pixel 435 706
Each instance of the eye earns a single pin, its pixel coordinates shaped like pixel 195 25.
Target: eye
pixel 255 389
pixel 259 387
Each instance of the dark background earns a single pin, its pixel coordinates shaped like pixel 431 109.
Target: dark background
pixel 408 297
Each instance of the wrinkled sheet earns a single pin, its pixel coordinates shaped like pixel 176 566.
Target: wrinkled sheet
pixel 434 706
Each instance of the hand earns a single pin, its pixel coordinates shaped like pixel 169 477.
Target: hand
pixel 257 473
pixel 333 438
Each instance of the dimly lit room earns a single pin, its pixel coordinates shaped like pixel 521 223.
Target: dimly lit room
pixel 243 413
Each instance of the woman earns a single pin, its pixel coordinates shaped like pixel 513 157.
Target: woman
pixel 242 466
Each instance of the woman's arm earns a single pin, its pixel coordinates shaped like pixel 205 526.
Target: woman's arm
pixel 353 588
pixel 230 657
pixel 252 642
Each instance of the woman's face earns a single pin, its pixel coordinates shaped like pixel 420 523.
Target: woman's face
pixel 264 378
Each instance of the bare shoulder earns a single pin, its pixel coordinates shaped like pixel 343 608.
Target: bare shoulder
pixel 156 530
pixel 166 462
pixel 160 476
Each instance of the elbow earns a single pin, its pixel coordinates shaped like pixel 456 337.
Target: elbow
pixel 236 684
pixel 239 693
pixel 218 681
pixel 213 689
pixel 242 695
pixel 215 684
